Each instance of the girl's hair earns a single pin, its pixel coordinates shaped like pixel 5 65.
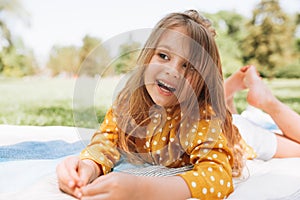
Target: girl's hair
pixel 133 104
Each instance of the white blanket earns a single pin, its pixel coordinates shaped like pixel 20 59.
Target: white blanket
pixel 36 179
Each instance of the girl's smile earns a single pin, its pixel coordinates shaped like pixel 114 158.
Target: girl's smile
pixel 165 88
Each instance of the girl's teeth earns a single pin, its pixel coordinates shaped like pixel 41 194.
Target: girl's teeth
pixel 168 87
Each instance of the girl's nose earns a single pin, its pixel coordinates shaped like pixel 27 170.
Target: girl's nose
pixel 174 69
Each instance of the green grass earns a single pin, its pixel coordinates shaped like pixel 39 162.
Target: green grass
pixel 46 102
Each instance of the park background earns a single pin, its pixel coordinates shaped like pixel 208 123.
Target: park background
pixel 41 58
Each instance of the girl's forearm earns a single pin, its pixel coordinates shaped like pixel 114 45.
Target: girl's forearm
pixel 164 188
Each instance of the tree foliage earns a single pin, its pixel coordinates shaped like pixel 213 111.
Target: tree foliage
pixel 89 59
pixel 269 43
pixel 15 59
pixel 128 55
pixel 64 59
pixel 94 57
pixel 230 30
pixel 8 8
pixel 18 64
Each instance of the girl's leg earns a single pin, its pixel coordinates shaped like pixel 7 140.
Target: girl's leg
pixel 260 96
pixel 286 147
pixel 265 143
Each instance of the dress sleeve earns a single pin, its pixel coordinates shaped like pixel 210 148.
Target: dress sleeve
pixel 103 146
pixel 211 177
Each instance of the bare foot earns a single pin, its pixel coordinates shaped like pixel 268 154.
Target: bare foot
pixel 259 95
pixel 234 84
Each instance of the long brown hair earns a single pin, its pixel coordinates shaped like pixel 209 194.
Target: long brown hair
pixel 134 103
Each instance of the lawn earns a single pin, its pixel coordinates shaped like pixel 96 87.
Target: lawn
pixel 44 102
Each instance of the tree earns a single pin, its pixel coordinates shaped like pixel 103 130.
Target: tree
pixel 15 59
pixel 297 19
pixel 12 7
pixel 269 41
pixel 64 59
pixel 94 57
pixel 89 59
pixel 18 63
pixel 128 56
pixel 230 28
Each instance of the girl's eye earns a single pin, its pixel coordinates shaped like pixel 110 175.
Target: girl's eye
pixel 163 56
pixel 192 69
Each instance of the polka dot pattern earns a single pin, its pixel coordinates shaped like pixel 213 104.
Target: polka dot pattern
pixel 213 178
pixel 199 143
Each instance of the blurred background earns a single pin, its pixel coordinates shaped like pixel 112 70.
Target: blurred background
pixel 43 45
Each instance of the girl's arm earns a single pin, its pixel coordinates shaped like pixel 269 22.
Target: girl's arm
pixel 126 186
pixel 114 185
pixel 102 148
pixel 165 188
pixel 211 177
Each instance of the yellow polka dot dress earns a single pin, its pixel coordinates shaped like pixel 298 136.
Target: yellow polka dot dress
pixel 200 143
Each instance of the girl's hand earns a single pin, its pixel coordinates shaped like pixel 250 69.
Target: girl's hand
pixel 74 173
pixel 113 186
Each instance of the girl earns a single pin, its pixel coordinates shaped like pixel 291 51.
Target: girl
pixel 171 112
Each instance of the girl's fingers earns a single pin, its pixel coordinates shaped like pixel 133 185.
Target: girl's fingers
pixel 67 174
pixel 84 173
pixel 87 170
pixel 76 192
pixel 97 197
pixel 62 175
pixel 72 167
pixel 98 186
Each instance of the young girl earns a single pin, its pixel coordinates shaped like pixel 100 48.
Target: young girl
pixel 172 113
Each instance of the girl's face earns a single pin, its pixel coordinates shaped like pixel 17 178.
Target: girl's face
pixel 164 75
